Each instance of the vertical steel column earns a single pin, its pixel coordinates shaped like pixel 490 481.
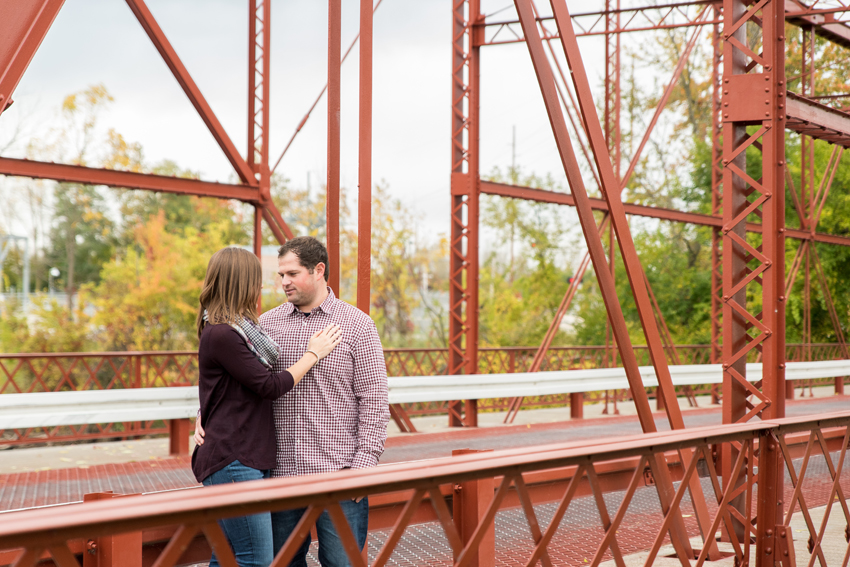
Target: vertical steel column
pixel 257 156
pixel 807 187
pixel 334 64
pixel 612 82
pixel 716 199
pixel 258 245
pixel 463 262
pixel 764 197
pixel 754 121
pixel 364 196
pixel 259 48
pixel 612 137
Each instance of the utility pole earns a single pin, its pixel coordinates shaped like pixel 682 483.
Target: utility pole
pixel 513 152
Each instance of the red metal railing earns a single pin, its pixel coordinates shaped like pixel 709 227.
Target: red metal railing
pixel 51 372
pixel 584 501
pixel 56 372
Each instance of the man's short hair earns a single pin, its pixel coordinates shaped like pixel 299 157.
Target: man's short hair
pixel 310 252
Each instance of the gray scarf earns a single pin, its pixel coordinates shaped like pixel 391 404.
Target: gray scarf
pixel 261 344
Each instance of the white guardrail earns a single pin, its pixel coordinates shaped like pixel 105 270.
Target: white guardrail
pixel 110 406
pixel 480 386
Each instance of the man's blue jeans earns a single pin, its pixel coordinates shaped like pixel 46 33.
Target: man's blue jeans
pixel 331 551
pixel 249 536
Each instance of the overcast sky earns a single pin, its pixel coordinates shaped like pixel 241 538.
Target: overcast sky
pixel 100 41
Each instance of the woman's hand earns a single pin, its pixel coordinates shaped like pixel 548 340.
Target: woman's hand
pixel 324 341
pixel 199 432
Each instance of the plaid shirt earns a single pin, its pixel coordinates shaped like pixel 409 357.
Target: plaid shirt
pixel 337 416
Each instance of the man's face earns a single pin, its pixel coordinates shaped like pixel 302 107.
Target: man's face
pixel 300 286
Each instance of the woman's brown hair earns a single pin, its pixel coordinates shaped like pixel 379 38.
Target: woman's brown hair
pixel 231 288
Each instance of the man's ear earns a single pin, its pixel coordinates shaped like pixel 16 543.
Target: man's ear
pixel 320 269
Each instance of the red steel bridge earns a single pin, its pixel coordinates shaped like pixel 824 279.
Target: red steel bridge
pixel 731 490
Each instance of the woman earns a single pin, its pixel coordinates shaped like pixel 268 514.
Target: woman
pixel 237 387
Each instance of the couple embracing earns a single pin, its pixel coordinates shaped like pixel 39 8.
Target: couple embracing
pixel 300 390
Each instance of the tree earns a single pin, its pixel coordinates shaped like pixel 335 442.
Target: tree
pixel 147 298
pixel 81 238
pixel 519 287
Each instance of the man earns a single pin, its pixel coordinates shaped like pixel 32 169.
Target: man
pixel 336 417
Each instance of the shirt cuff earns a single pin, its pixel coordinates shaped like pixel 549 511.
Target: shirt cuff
pixel 363 461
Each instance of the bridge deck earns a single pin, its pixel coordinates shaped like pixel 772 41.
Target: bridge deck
pixel 66 485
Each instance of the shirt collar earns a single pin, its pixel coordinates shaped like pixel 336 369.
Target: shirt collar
pixel 327 306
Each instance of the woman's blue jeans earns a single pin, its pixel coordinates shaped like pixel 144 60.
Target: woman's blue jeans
pixel 250 536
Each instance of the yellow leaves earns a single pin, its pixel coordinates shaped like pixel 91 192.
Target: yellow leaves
pixel 70 103
pixel 148 298
pixel 123 155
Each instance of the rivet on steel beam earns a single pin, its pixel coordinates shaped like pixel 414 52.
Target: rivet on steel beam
pixel 782 117
pixel 779 503
pixel 768 67
pixel 725 80
pixel 726 298
pixel 783 535
pixel 782 365
pixel 781 38
pixel 781 230
pixel 782 298
pixel 767 90
pixel 725 104
pixel 458 488
pixel 768 550
pixel 766 77
pixel 767 100
pixel 782 162
pixel 781 106
pixel 725 92
pixel 781 83
pixel 91 547
pixel 768 263
pixel 726 116
pixel 767 114
pixel 768 531
pixel 768 332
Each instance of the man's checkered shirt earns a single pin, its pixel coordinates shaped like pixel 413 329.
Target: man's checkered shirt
pixel 337 416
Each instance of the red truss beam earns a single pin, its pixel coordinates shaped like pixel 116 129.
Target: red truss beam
pixel 643 18
pixel 24 26
pixel 817 120
pixel 126 179
pixel 544 196
pixel 671 15
pixel 151 27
